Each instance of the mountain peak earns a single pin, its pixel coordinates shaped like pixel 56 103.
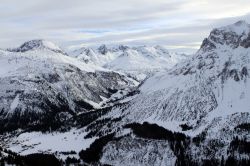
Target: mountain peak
pixel 234 35
pixel 103 49
pixel 241 23
pixel 37 44
pixel 123 47
pixel 240 27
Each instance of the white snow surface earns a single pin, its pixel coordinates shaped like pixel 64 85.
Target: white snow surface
pixel 34 142
pixel 14 104
pixel 50 45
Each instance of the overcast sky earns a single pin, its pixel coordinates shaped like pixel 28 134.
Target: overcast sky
pixel 177 24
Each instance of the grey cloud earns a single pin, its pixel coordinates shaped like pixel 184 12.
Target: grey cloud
pixel 182 23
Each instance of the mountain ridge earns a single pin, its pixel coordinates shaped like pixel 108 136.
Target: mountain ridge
pixel 37 44
pixel 141 60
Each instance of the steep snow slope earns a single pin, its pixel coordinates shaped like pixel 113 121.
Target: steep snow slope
pixel 40 86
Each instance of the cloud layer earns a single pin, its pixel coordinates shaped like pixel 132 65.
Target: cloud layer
pixel 178 24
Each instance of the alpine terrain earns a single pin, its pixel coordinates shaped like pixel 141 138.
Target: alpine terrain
pixel 123 105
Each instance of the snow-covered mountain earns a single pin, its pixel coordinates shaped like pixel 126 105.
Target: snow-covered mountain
pixel 38 44
pixel 140 60
pixel 41 86
pixel 205 97
pixel 98 56
pixel 194 113
pixel 214 80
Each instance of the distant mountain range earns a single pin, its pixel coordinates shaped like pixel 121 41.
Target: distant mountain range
pixel 138 61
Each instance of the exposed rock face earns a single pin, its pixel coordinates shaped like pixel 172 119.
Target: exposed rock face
pixel 103 49
pixel 233 35
pixel 246 42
